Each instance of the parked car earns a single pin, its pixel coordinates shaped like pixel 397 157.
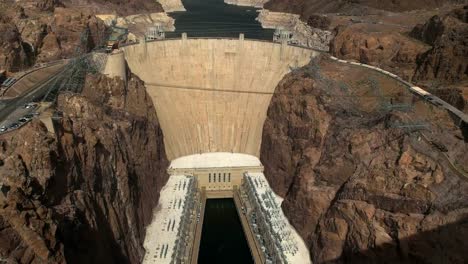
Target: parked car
pixel 14 126
pixel 3 129
pixel 30 105
pixel 23 120
pixel 29 116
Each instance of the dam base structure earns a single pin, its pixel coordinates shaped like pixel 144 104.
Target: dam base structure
pixel 211 97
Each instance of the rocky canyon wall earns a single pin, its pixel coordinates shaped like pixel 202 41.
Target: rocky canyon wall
pixel 86 195
pixel 358 189
pixel 31 35
pixel 433 54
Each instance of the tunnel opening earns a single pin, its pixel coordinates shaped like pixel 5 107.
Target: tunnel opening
pixel 223 239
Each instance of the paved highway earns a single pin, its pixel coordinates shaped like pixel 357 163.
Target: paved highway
pixel 13 109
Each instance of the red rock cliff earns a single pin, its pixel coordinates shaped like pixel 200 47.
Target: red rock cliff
pixel 358 189
pixel 86 195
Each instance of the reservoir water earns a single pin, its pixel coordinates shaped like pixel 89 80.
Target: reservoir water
pixel 223 239
pixel 214 18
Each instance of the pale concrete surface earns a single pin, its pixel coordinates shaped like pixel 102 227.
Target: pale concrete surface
pixel 168 236
pixel 255 3
pixel 212 95
pixel 172 5
pixel 49 124
pixel 217 173
pixel 115 66
pixel 215 160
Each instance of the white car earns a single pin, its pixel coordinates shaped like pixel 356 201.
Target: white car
pixel 30 105
pixel 3 129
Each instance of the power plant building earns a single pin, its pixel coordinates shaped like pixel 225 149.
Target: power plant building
pixel 277 239
pixel 173 222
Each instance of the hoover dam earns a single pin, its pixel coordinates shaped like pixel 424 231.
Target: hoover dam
pixel 211 97
pixel 235 131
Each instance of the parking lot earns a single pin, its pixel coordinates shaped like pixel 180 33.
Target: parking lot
pixel 20 117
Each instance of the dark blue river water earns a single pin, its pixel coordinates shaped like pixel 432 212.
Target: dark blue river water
pixel 214 18
pixel 223 240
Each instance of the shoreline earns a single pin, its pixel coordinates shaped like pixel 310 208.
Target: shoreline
pixel 302 33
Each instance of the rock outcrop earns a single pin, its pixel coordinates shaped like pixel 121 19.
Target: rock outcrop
pixel 358 189
pixel 306 8
pixel 47 30
pixel 13 56
pixel 120 7
pixel 389 50
pixel 86 195
pixel 447 60
pixel 69 31
pixel 43 31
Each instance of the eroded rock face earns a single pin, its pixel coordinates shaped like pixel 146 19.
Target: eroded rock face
pixel 86 196
pixel 28 228
pixel 447 60
pixel 356 189
pixel 69 31
pixel 13 57
pixel 306 8
pixel 48 30
pixel 119 7
pixel 390 50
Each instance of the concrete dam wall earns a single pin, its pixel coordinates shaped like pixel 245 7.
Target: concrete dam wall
pixel 211 95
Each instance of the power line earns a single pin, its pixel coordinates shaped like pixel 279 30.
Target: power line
pixel 195 88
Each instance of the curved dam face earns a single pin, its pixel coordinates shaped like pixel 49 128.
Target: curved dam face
pixel 212 95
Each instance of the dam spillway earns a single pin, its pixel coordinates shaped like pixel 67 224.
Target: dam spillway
pixel 212 95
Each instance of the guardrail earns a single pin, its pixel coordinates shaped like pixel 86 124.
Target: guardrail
pixel 227 38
